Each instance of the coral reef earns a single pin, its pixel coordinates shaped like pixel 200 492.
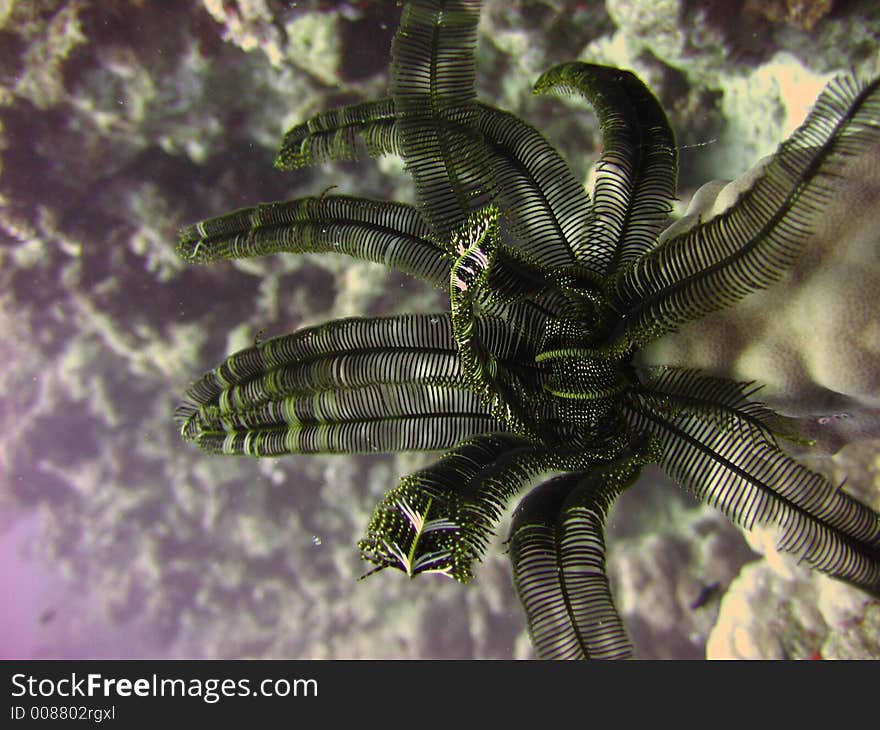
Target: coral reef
pixel 787 613
pixel 119 123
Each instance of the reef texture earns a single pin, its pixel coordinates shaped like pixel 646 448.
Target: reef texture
pixel 120 122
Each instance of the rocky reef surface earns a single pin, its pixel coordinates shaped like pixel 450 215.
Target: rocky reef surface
pixel 120 122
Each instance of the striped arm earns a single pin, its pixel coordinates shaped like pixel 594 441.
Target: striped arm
pixel 727 458
pixel 393 234
pixel 557 549
pixel 636 174
pixel 441 518
pixel 396 379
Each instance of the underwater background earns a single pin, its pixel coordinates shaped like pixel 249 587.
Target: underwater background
pixel 121 121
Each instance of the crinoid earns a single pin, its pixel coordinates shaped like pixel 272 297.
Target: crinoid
pixel 530 375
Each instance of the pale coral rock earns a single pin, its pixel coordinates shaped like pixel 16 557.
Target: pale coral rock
pixel 667 585
pixel 249 24
pixel 314 45
pixel 767 616
pixel 823 301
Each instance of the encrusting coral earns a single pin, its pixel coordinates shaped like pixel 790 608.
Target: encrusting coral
pixel 818 355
